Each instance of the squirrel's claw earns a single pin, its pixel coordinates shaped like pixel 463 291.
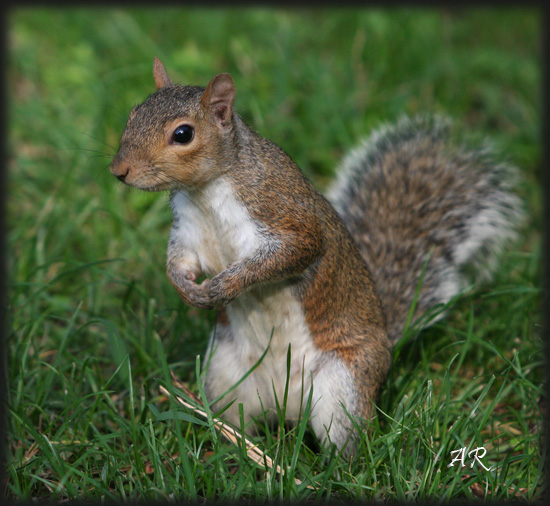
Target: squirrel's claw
pixel 191 293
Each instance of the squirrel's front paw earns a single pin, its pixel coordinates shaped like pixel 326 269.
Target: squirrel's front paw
pixel 193 294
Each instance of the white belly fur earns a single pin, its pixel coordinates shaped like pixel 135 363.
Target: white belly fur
pixel 271 312
pixel 214 232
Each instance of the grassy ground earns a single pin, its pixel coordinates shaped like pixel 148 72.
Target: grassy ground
pixel 95 328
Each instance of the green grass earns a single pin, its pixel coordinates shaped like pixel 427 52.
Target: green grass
pixel 95 327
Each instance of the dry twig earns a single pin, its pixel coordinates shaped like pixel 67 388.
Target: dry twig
pixel 230 433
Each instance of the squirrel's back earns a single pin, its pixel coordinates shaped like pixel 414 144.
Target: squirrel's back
pixel 419 206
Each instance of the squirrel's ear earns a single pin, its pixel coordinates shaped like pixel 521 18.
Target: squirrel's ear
pixel 159 73
pixel 219 96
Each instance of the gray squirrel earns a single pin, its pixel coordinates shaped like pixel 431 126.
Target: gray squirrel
pixel 288 270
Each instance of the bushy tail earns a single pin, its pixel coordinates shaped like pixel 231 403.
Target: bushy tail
pixel 408 193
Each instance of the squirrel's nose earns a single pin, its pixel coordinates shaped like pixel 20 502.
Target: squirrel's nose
pixel 122 177
pixel 119 170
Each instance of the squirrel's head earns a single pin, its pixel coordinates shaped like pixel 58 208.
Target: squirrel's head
pixel 179 137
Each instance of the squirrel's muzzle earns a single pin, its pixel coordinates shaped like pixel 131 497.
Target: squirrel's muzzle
pixel 119 168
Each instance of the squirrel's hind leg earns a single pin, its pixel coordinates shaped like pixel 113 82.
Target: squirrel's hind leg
pixel 335 402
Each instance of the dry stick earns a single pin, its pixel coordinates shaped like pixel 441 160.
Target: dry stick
pixel 230 433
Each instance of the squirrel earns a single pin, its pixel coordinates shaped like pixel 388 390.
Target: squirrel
pixel 311 293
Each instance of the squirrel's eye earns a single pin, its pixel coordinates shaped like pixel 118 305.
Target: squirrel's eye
pixel 183 134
